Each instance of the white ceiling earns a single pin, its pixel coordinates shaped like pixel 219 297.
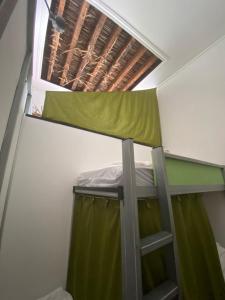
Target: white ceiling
pixel 178 29
pixel 181 29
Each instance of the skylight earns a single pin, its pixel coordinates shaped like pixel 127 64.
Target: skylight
pixel 94 53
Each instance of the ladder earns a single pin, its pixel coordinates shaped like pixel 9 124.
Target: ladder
pixel 132 246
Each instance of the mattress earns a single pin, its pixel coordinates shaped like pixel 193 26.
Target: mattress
pixel 112 176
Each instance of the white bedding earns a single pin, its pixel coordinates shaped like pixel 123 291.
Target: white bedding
pixel 58 294
pixel 112 176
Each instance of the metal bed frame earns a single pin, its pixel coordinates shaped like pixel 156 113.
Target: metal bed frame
pixel 147 192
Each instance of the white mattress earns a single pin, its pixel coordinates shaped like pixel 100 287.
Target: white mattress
pixel 112 176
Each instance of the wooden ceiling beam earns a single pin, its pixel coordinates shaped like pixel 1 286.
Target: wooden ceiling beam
pixel 104 81
pixel 141 51
pixel 90 51
pixel 55 42
pixel 114 36
pixel 147 66
pixel 76 33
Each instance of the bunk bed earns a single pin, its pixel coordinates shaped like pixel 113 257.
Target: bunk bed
pixel 162 230
pixel 185 176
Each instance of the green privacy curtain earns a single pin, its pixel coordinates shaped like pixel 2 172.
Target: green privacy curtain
pixel 95 258
pixel 132 114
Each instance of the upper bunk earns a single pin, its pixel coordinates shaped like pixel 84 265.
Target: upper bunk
pixel 132 116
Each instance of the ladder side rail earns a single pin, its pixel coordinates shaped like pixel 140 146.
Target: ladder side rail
pixel 223 170
pixel 166 211
pixel 130 239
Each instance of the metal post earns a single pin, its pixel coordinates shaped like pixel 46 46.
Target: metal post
pixel 6 143
pixel 223 170
pixel 130 240
pixel 166 210
pixel 25 77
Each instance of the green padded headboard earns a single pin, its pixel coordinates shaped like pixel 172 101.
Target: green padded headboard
pixel 181 172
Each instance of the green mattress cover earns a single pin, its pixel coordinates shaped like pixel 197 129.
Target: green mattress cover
pixel 181 172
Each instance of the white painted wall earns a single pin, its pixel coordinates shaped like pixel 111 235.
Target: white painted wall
pixel 39 88
pixel 192 106
pixel 215 207
pixel 12 53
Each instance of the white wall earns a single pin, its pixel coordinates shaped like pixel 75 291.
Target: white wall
pixel 12 53
pixel 192 106
pixel 37 228
pixel 39 88
pixel 215 207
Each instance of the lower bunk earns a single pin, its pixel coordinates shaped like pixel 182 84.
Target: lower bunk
pixel 95 255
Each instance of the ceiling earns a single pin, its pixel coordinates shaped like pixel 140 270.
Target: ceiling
pixel 94 53
pixel 179 30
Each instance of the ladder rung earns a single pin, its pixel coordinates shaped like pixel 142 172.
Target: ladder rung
pixel 165 291
pixel 155 241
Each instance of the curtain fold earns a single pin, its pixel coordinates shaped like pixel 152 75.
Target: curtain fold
pixel 200 270
pixel 132 114
pixel 95 257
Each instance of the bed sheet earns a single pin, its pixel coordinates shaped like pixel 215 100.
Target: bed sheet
pixel 112 176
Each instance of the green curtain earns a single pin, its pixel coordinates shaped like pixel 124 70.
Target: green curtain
pixel 201 275
pixel 95 259
pixel 121 114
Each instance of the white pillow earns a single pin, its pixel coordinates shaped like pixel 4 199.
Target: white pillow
pixel 58 294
